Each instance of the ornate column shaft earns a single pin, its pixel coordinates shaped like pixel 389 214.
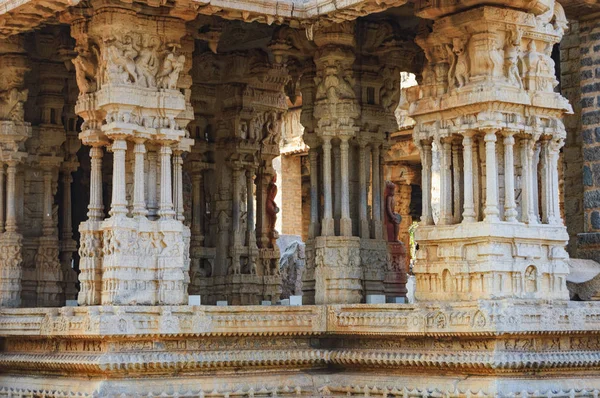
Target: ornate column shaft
pixel 377 226
pixel 197 206
pixel 510 212
pixel 446 183
pixel 95 207
pixel 119 200
pixel 151 184
pixel 139 193
pixel 2 196
pixel 426 163
pixel 11 200
pixel 469 205
pixel 178 184
pixel 314 193
pixel 166 198
pixel 491 178
pixel 345 221
pixel 327 226
pixel 363 225
pixel 457 176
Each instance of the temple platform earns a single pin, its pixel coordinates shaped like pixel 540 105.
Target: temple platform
pixel 513 348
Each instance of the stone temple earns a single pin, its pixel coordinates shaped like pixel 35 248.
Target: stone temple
pixel 300 198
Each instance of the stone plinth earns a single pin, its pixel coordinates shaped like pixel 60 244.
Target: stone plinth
pixel 491 260
pixel 507 347
pixel 396 270
pixel 337 271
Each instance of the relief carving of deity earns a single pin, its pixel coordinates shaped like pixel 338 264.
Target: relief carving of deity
pixel 512 56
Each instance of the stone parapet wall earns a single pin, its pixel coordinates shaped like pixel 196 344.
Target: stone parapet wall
pixel 377 350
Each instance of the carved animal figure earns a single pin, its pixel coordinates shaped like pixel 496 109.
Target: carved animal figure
pixel 390 92
pixel 85 71
pixel 272 129
pixel 459 68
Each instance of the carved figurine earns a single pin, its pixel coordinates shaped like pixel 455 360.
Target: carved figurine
pixel 272 210
pixel 148 63
pixel 390 92
pixel 392 219
pixel 272 129
pixel 85 71
pixel 121 67
pixel 171 68
pixel 512 57
pixel 459 68
pixel 334 87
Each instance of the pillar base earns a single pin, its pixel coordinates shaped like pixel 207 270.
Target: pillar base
pixel 48 273
pixel 90 263
pixel 11 271
pixel 373 259
pixel 490 261
pixel 144 262
pixel 396 271
pixel 337 270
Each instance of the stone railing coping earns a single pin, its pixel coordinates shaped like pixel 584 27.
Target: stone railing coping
pixel 436 319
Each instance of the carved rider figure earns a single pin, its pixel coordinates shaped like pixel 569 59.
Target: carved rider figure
pixel 392 219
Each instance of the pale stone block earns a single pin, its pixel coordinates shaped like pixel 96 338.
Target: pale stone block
pixel 194 300
pixel 285 302
pixel 265 302
pixel 375 299
pixel 295 300
pixel 71 303
pixel 222 303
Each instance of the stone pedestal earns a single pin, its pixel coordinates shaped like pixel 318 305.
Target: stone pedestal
pixel 490 261
pixel 11 261
pixel 373 259
pixel 338 274
pixel 396 274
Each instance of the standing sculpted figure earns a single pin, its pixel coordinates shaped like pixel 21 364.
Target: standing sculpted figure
pixel 392 219
pixel 171 68
pixel 272 210
pixel 148 62
pixel 511 59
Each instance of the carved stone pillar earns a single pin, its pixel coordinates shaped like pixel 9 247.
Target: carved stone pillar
pixel 314 193
pixel 139 200
pixel 364 230
pixel 178 185
pixel 469 204
pixel 90 243
pixel 510 212
pixel 471 78
pixel 127 102
pixel 14 130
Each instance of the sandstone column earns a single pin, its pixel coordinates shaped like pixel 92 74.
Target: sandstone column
pixel 469 204
pixel 134 92
pixel 510 212
pixel 470 80
pixel 364 230
pixel 314 193
pixel 139 200
pixel 15 65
